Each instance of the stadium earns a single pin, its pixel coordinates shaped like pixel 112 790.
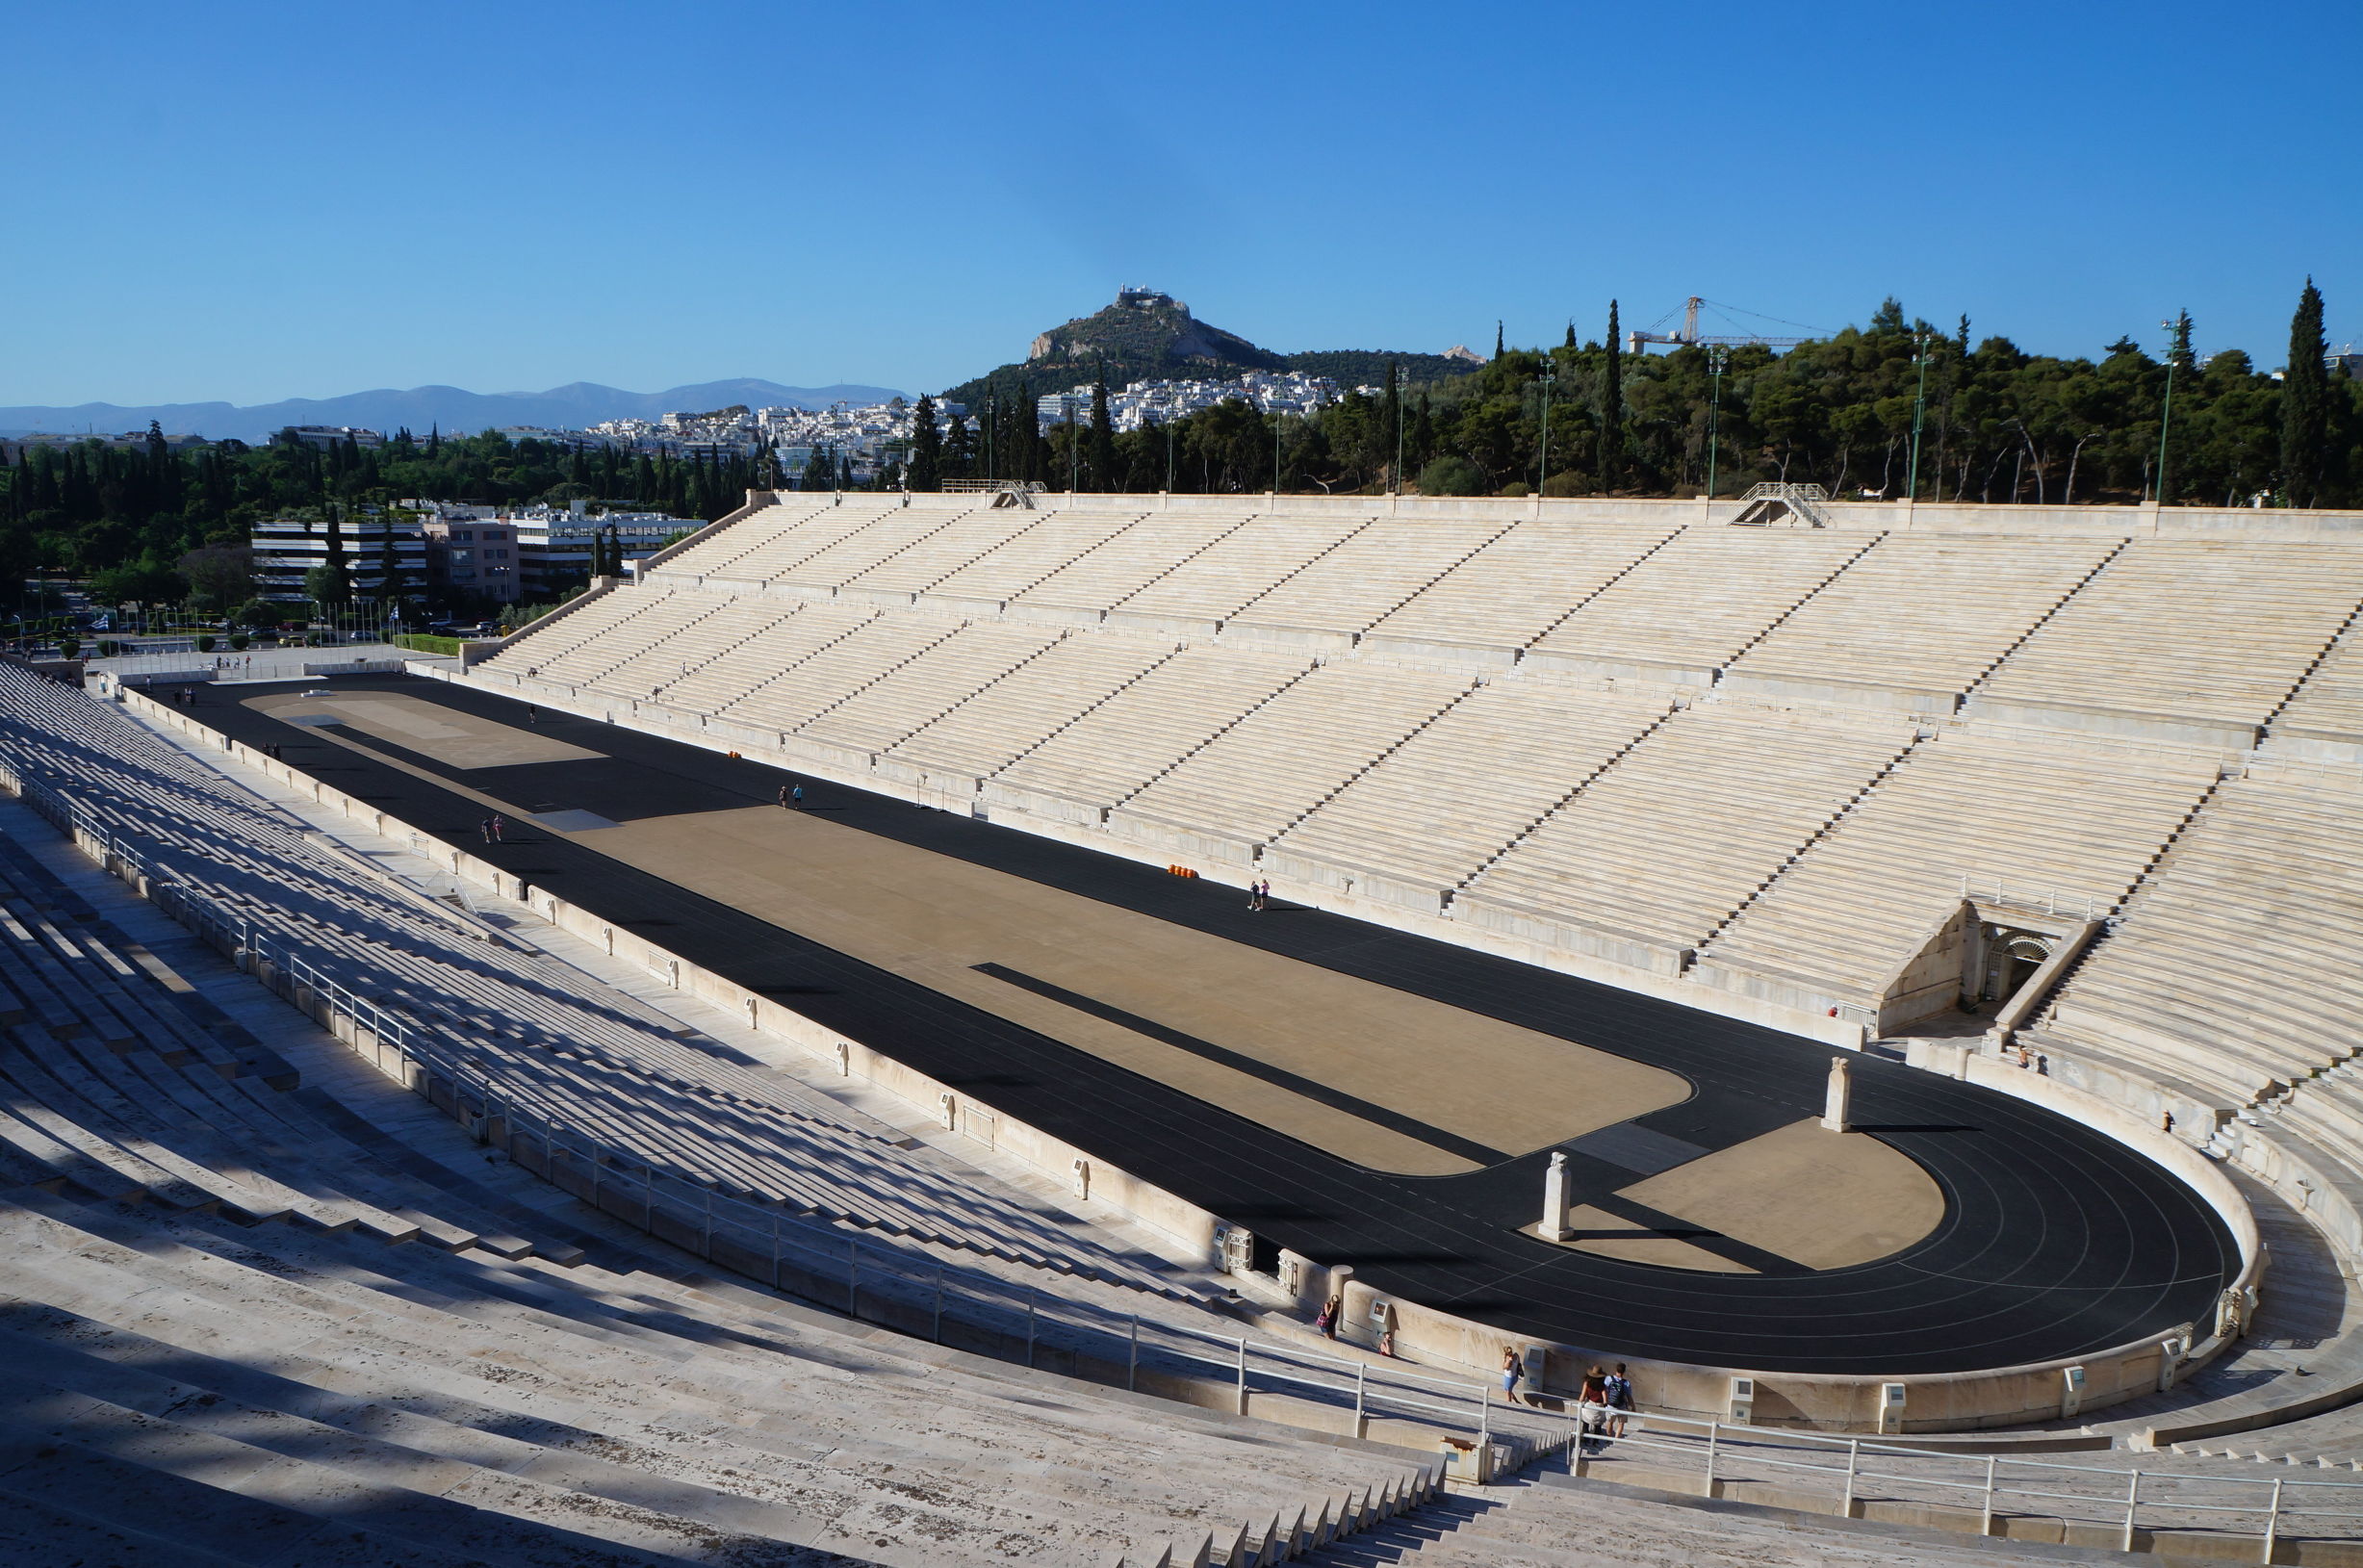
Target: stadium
pixel 932 1029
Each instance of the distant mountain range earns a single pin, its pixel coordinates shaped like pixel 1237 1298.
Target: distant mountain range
pixel 424 408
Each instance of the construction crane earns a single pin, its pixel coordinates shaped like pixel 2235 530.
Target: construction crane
pixel 1688 337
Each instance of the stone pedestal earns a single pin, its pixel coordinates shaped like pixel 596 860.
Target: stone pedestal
pixel 1841 1104
pixel 1554 1226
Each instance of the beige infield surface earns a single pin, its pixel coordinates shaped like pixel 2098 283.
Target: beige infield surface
pixel 1823 1199
pixel 461 739
pixel 931 918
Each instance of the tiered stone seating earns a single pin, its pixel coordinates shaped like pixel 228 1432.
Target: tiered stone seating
pixel 802 532
pixel 1692 605
pixel 809 688
pixel 1337 596
pixel 547 641
pixel 1021 710
pixel 2232 970
pixel 1430 812
pixel 2072 826
pixel 1248 784
pixel 1108 753
pixel 762 654
pixel 1522 584
pixel 987 584
pixel 1197 595
pixel 2324 719
pixel 185 1389
pixel 696 645
pixel 1082 591
pixel 820 573
pixel 766 525
pixel 925 688
pixel 656 617
pixel 1916 620
pixel 2186 641
pixel 1646 861
pixel 920 565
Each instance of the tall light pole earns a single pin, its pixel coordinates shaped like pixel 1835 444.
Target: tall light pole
pixel 992 417
pixel 1398 374
pixel 1920 345
pixel 1551 373
pixel 1276 451
pixel 1717 356
pixel 2166 411
pixel 1173 412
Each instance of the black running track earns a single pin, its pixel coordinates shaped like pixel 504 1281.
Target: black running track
pixel 2057 1242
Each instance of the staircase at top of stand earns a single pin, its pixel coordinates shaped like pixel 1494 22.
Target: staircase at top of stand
pixel 1797 505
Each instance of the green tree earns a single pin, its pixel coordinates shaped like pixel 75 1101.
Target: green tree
pixel 926 472
pixel 1102 450
pixel 2305 404
pixel 1610 462
pixel 220 575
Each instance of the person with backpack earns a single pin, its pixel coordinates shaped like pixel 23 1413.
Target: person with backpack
pixel 1619 1389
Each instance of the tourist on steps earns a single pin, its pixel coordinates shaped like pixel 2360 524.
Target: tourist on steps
pixel 1512 1370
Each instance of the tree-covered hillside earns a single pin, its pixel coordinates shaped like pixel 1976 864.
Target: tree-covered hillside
pixel 1997 425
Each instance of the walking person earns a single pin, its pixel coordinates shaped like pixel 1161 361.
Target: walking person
pixel 485 828
pixel 1263 894
pixel 1620 1400
pixel 499 828
pixel 783 806
pixel 534 715
pixel 1512 1370
pixel 795 797
pixel 1592 1405
pixel 1326 1322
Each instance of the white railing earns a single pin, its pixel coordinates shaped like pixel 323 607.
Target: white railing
pixel 914 1293
pixel 1862 1470
pixel 1978 887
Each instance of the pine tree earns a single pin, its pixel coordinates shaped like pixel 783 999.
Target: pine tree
pixel 2305 404
pixel 1103 436
pixel 1612 408
pixel 926 447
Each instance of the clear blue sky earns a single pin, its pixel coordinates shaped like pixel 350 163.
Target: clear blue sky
pixel 254 201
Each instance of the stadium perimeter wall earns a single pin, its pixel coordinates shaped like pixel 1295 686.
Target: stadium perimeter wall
pixel 1956 1401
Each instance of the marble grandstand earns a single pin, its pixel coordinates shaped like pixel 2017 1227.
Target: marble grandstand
pixel 2095 772
pixel 2098 774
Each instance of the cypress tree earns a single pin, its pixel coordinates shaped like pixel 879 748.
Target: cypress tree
pixel 1103 436
pixel 1497 338
pixel 926 447
pixel 1612 408
pixel 1570 333
pixel 959 451
pixel 2305 404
